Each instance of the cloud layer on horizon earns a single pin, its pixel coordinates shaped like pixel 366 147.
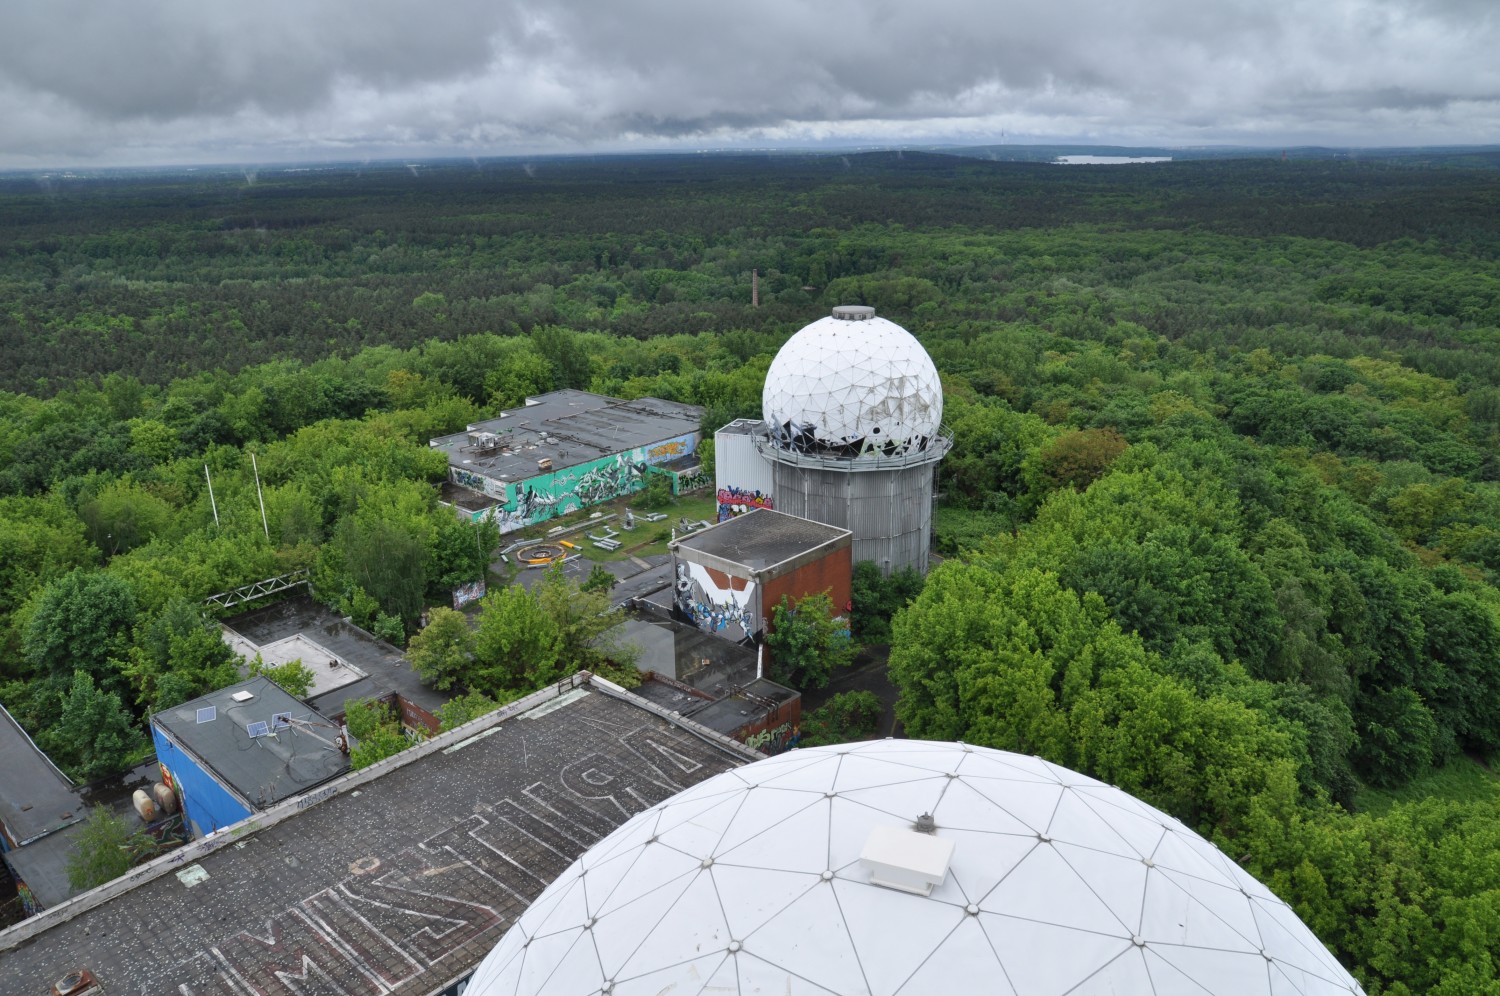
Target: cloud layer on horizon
pixel 178 81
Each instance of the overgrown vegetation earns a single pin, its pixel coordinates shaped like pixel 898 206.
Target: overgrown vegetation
pixel 376 732
pixel 844 718
pixel 877 597
pixel 1222 513
pixel 294 677
pixel 107 846
pixel 807 641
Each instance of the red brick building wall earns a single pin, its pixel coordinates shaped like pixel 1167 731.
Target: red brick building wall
pixel 833 573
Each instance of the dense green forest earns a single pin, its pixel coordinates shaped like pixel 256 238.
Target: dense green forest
pixel 1221 521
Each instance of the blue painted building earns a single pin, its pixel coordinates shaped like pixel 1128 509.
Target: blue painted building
pixel 239 750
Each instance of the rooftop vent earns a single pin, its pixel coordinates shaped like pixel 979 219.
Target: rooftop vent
pixel 75 983
pixel 853 312
pixel 906 860
pixel 243 696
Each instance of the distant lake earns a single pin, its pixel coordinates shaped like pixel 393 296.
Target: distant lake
pixel 1108 160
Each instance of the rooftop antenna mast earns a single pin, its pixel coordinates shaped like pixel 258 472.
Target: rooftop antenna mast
pixel 211 500
pixel 259 496
pixel 310 728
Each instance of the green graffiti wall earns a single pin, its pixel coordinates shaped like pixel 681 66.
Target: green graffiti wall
pixel 547 496
pixel 689 480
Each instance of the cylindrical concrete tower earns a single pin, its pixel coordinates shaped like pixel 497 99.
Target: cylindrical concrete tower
pixel 854 414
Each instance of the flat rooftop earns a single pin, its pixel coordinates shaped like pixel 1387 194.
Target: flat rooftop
pixel 35 797
pixel 744 706
pixel 568 427
pixel 396 879
pixel 264 765
pixel 43 863
pixel 366 668
pixel 684 652
pixel 763 539
pixel 743 427
pixel 465 498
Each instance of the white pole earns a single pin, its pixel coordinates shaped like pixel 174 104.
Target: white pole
pixel 259 496
pixel 211 501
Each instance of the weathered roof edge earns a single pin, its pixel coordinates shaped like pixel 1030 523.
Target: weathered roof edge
pixel 18 934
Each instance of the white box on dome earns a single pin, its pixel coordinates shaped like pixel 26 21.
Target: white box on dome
pixel 906 860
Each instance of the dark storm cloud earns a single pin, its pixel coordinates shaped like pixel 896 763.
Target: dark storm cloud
pixel 278 79
pixel 174 59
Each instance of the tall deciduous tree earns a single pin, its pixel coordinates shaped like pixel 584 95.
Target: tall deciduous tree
pixel 293 677
pixel 465 708
pixel 82 622
pixel 443 652
pixel 582 618
pixel 388 559
pixel 179 655
pixel 806 642
pixel 96 735
pixel 123 516
pixel 518 644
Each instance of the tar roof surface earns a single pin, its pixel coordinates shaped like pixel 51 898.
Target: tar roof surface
pixel 580 427
pixel 397 885
pixel 264 769
pixel 744 427
pixel 762 538
pixel 731 714
pixel 35 798
pixel 43 864
pixel 687 654
pixel 386 670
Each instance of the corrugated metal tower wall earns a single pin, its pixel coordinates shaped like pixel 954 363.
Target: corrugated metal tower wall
pixel 889 510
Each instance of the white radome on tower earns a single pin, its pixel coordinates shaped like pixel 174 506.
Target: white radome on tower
pixel 853 384
pixel 907 867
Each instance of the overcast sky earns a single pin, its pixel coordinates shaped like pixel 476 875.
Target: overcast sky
pixel 107 82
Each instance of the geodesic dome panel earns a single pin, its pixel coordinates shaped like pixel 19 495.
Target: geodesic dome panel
pixel 754 882
pixel 853 384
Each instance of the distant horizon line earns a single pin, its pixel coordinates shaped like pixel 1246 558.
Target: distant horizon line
pixel 1058 148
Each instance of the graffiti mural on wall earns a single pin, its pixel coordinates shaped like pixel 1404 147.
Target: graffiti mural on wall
pixel 735 500
pixel 663 451
pixel 610 481
pixel 546 496
pixel 465 594
pixel 782 738
pixel 690 480
pixel 715 607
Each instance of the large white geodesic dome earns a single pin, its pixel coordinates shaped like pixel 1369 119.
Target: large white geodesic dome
pixel 853 384
pixel 754 882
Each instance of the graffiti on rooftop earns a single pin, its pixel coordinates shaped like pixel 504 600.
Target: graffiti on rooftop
pixel 412 920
